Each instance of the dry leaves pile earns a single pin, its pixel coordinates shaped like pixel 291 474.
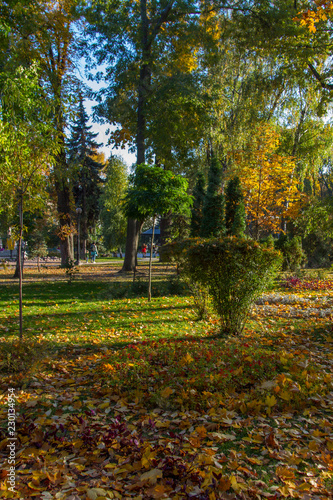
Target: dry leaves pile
pixel 180 418
pixel 81 435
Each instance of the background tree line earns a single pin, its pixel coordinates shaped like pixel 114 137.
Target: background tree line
pixel 188 85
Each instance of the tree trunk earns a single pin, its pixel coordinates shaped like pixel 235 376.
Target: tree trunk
pixel 132 240
pixel 165 225
pixel 151 259
pixel 64 207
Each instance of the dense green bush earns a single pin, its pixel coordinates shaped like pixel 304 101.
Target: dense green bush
pixel 236 271
pixel 294 256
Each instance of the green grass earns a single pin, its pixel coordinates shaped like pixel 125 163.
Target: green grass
pixel 107 379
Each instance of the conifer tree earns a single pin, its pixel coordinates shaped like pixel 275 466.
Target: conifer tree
pixel 198 203
pixel 87 182
pixel 213 224
pixel 234 209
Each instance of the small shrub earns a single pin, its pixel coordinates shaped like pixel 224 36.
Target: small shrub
pixel 236 271
pixel 20 356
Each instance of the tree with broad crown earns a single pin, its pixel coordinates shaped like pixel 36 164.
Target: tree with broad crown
pixel 213 224
pixel 151 51
pixel 154 191
pixel 234 208
pixel 198 203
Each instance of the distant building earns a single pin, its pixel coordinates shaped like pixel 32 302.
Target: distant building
pixel 146 236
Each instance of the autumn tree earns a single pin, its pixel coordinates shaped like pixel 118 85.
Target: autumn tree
pixel 268 180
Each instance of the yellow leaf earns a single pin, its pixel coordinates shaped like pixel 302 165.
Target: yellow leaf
pixel 285 395
pixel 104 405
pixel 201 431
pixel 285 473
pixel 304 487
pixel 147 457
pixel 271 401
pixel 186 359
pixel 94 493
pixel 329 444
pixel 237 487
pixel 166 392
pixel 314 446
pixel 151 476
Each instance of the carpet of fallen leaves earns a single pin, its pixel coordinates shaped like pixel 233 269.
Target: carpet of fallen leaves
pixel 196 417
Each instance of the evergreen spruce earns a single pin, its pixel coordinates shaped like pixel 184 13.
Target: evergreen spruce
pixel 235 210
pixel 87 182
pixel 198 203
pixel 213 224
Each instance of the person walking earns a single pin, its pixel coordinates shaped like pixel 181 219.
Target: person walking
pixel 94 252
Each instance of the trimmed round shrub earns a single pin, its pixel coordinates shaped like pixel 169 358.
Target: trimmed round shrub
pixel 236 271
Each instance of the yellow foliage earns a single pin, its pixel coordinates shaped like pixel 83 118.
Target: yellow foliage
pixel 269 182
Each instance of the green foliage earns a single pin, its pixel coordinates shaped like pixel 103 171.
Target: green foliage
pixel 86 169
pixel 176 252
pixel 155 191
pixel 112 217
pixel 27 141
pixel 198 203
pixel 213 224
pixel 293 254
pixel 236 271
pixel 234 209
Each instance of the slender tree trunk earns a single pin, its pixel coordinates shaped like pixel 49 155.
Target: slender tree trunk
pixel 20 268
pixel 151 259
pixel 258 206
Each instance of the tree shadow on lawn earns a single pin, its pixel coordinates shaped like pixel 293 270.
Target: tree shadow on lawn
pixel 94 291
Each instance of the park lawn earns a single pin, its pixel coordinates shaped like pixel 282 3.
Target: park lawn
pixel 120 398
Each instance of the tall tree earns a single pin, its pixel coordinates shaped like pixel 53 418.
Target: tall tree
pixel 53 44
pixel 27 147
pixel 198 203
pixel 213 223
pixel 148 48
pixel 86 172
pixel 113 219
pixel 234 208
pixel 268 179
